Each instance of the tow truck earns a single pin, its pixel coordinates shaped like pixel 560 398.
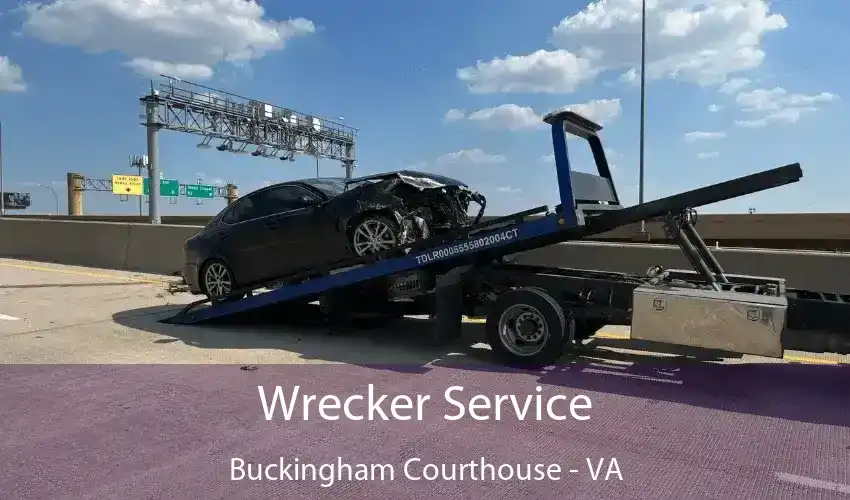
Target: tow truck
pixel 534 313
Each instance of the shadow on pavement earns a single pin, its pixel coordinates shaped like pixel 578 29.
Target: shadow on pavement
pixel 398 344
pixel 804 393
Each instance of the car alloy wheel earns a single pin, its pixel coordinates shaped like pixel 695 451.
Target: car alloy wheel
pixel 218 280
pixel 374 235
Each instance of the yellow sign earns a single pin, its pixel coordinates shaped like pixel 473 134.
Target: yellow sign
pixel 127 184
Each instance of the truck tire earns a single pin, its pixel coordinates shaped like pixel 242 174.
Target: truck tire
pixel 526 327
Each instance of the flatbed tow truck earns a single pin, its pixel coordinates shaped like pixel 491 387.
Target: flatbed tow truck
pixel 534 313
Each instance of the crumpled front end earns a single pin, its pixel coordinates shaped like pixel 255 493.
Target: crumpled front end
pixel 422 206
pixel 442 207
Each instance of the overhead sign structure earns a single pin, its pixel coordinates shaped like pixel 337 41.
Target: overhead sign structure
pixel 131 185
pixel 167 187
pixel 200 191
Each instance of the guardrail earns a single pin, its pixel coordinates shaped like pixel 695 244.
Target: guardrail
pixel 159 249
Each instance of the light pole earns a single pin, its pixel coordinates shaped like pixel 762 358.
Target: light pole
pixel 55 196
pixel 642 105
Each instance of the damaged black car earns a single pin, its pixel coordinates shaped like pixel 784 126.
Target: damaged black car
pixel 290 227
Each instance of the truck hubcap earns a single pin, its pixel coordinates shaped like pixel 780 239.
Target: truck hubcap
pixel 523 330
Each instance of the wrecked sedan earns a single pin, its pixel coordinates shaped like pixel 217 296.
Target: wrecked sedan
pixel 287 228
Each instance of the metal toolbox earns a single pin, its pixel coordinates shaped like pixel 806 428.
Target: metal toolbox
pixel 737 322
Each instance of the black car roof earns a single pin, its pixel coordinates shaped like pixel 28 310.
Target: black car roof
pixel 413 173
pixel 386 175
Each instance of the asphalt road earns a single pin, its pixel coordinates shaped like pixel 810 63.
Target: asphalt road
pixel 99 400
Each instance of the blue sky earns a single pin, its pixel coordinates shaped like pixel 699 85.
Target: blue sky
pixel 734 87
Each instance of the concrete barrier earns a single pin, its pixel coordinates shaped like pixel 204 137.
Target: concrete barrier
pixel 809 270
pixel 109 245
pixel 159 249
pixel 827 232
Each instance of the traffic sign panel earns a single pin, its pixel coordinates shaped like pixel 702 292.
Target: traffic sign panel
pixel 127 185
pixel 167 187
pixel 200 191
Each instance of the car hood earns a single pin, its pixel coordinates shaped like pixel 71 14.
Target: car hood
pixel 419 180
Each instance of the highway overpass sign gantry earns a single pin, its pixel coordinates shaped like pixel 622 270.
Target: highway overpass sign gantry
pixel 232 123
pixel 238 125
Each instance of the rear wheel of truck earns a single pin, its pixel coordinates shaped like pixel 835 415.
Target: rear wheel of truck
pixel 527 327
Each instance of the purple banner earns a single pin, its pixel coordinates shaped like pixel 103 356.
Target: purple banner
pixel 363 432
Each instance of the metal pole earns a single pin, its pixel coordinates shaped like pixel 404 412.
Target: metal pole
pixel 139 165
pixel 152 125
pixel 642 104
pixel 2 193
pixel 55 196
pixel 317 166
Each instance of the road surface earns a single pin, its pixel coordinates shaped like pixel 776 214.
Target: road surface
pixel 99 400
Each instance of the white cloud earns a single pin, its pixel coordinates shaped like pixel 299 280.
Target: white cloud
pixel 475 155
pixel 734 85
pixel 11 76
pixel 778 106
pixel 786 116
pixel 714 108
pixel 508 189
pixel 776 99
pixel 187 37
pixel 146 67
pixel 708 154
pixel 550 158
pixel 601 111
pixel 631 77
pixel 699 42
pixel 515 117
pixel 507 116
pixel 759 122
pixel 542 71
pixel 703 136
pixel 454 115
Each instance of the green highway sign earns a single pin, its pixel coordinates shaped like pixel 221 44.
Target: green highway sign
pixel 200 191
pixel 167 187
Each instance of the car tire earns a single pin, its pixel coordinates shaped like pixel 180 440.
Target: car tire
pixel 217 281
pixel 374 234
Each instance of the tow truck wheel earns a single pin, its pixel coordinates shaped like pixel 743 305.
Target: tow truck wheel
pixel 527 327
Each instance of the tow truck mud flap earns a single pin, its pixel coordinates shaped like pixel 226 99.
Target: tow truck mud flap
pixel 727 321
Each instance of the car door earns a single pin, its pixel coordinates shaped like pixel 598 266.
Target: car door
pixel 294 237
pixel 241 238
